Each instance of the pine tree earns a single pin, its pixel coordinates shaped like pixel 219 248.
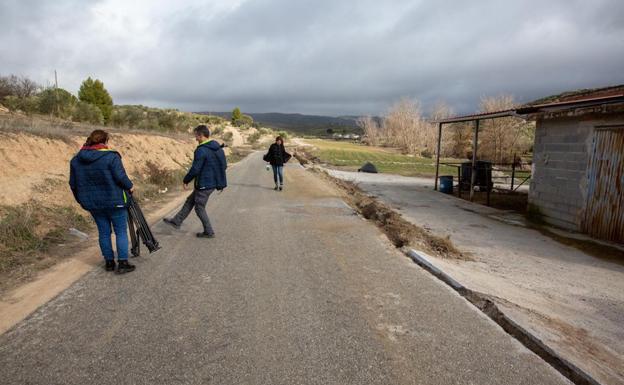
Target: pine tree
pixel 236 115
pixel 93 92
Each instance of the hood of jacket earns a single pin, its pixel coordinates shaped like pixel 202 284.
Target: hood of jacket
pixel 212 144
pixel 90 156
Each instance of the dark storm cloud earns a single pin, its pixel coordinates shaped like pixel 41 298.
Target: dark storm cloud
pixel 331 57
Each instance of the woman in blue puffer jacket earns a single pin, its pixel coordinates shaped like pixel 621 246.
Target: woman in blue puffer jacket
pixel 100 184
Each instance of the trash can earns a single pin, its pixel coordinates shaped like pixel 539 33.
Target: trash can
pixel 446 184
pixel 483 178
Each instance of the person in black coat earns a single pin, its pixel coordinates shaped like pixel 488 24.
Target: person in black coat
pixel 277 157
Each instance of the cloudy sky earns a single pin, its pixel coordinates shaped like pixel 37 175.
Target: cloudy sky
pixel 315 56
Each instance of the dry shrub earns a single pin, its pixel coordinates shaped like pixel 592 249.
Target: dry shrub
pixel 371 128
pixel 28 230
pixel 228 138
pixel 160 176
pixel 17 230
pixel 238 153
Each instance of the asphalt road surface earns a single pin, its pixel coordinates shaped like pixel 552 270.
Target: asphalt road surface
pixel 295 289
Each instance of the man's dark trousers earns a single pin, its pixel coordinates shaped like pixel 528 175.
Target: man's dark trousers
pixel 197 199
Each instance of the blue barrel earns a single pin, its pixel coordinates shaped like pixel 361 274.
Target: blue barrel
pixel 446 184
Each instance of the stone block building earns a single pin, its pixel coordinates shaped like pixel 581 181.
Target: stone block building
pixel 578 161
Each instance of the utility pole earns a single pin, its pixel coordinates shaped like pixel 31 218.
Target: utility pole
pixel 56 101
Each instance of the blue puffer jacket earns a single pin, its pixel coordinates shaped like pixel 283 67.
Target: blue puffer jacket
pixel 208 169
pixel 98 179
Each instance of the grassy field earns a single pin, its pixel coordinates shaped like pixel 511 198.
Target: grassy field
pixel 352 156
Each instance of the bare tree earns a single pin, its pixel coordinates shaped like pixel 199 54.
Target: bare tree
pixel 404 126
pixel 371 129
pixel 503 137
pixel 27 87
pixel 460 139
pixel 440 110
pixel 21 87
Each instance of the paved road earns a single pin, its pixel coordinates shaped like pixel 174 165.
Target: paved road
pixel 295 289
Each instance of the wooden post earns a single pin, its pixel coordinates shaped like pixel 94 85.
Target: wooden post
pixel 459 176
pixel 438 156
pixel 513 172
pixel 473 175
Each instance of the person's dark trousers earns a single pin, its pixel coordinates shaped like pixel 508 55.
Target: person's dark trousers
pixel 278 175
pixel 106 220
pixel 197 199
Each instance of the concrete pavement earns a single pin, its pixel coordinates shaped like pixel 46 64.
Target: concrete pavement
pixel 295 289
pixel 571 300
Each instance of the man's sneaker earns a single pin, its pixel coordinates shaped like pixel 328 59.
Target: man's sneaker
pixel 124 267
pixel 275 188
pixel 281 188
pixel 205 235
pixel 170 222
pixel 110 265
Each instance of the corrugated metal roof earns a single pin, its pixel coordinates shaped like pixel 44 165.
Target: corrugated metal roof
pixel 572 103
pixel 589 93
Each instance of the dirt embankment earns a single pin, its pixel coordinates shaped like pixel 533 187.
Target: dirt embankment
pixel 37 208
pixel 35 167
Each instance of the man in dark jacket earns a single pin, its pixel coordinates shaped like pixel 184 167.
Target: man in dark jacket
pixel 99 183
pixel 208 174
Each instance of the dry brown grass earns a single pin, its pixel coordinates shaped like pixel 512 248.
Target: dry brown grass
pixel 55 128
pixel 30 235
pixel 238 153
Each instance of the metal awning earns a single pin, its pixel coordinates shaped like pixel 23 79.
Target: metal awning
pixel 520 112
pixel 476 118
pixel 483 116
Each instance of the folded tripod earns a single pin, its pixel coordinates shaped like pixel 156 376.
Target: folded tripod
pixel 139 229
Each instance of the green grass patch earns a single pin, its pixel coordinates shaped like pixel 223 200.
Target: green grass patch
pixel 353 156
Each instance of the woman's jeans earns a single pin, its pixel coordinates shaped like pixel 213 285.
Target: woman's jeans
pixel 116 219
pixel 278 175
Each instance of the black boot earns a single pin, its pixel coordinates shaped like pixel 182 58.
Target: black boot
pixel 205 235
pixel 170 222
pixel 110 265
pixel 124 267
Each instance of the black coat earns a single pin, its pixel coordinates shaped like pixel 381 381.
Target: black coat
pixel 277 155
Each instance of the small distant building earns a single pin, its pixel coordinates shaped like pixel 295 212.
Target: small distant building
pixel 578 161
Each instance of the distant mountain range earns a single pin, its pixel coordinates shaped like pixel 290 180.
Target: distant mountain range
pixel 302 124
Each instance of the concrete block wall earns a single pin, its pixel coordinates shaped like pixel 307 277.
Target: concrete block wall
pixel 560 159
